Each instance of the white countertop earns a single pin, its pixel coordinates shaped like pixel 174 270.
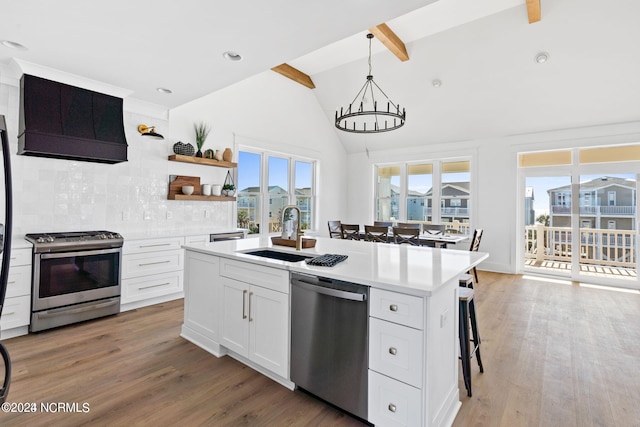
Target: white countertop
pixel 138 235
pixel 401 268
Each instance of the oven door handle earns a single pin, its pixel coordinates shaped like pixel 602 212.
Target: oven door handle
pixel 64 310
pixel 78 253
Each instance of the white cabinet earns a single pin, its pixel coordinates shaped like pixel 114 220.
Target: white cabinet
pixel 202 300
pixel 16 312
pixel 255 319
pixel 413 363
pixel 151 271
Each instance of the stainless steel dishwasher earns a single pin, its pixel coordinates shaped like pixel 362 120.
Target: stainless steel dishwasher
pixel 329 340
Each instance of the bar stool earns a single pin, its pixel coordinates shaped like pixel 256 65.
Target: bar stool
pixel 467 312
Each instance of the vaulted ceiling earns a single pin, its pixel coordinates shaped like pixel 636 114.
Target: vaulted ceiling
pixel 482 52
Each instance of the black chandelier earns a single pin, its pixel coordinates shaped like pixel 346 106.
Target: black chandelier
pixel 356 121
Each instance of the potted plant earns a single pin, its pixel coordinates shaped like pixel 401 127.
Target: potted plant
pixel 202 131
pixel 228 190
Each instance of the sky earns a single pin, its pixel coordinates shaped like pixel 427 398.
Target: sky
pixel 249 171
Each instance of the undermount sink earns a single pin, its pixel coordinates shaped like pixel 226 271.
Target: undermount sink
pixel 282 256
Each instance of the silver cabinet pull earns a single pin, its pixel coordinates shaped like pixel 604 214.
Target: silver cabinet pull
pixel 393 350
pixel 153 286
pixel 153 263
pixel 392 407
pixel 154 245
pixel 250 318
pixel 244 296
pixel 393 307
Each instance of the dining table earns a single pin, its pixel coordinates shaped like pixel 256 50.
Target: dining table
pixel 439 239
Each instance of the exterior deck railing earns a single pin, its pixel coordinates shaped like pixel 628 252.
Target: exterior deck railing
pixel 615 248
pixel 596 210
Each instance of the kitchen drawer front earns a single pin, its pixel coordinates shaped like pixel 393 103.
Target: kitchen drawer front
pixel 392 403
pixel 403 309
pixel 203 238
pixel 136 265
pixel 16 312
pixel 20 257
pixel 19 281
pixel 267 277
pixel 152 245
pixel 396 351
pixel 141 288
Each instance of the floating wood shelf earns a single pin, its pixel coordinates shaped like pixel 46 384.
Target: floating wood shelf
pixel 201 161
pixel 201 198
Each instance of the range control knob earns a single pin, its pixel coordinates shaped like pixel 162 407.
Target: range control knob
pixel 50 239
pixel 40 239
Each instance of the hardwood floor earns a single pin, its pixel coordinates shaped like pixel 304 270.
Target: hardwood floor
pixel 554 355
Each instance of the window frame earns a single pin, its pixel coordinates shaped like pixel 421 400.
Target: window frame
pixel 436 187
pixel 263 195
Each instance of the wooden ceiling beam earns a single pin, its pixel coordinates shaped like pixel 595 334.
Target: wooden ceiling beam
pixel 295 75
pixel 388 38
pixel 533 10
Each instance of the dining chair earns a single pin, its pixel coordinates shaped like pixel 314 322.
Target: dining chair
pixel 383 223
pixel 334 229
pixel 471 277
pixel 350 231
pixel 433 228
pixel 406 235
pixel 376 233
pixel 409 225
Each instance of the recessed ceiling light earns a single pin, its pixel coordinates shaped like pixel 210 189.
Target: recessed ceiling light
pixel 542 57
pixel 436 83
pixel 164 90
pixel 13 45
pixel 232 56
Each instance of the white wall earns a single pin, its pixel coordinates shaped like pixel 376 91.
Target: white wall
pixel 65 195
pixel 497 203
pixel 271 112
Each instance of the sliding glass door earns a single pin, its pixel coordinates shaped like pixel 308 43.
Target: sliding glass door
pixel 580 214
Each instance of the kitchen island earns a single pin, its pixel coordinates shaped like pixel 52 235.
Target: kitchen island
pixel 238 304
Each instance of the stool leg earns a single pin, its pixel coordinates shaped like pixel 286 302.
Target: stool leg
pixel 464 346
pixel 476 334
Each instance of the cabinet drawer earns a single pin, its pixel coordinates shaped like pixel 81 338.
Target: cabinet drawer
pixel 396 351
pixel 141 288
pixel 267 277
pixel 392 403
pixel 19 281
pixel 135 265
pixel 203 238
pixel 16 312
pixel 152 245
pixel 20 257
pixel 404 309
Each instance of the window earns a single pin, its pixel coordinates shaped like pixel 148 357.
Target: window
pixel 430 192
pixel 267 182
pixel 388 189
pixel 611 224
pixel 419 183
pixel 612 198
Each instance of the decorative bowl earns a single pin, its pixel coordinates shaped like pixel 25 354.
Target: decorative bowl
pixel 187 189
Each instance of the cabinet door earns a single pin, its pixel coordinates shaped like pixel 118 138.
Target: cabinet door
pixel 268 329
pixel 201 308
pixel 234 326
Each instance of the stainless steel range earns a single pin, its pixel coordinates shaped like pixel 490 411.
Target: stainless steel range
pixel 76 277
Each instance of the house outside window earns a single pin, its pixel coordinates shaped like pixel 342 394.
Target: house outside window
pixel 278 180
pixel 405 192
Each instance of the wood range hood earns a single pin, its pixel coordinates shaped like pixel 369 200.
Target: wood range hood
pixel 67 122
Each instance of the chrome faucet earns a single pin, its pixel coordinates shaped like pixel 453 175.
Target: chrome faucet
pixel 299 232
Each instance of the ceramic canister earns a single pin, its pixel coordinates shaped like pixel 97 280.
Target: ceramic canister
pixel 206 189
pixel 216 190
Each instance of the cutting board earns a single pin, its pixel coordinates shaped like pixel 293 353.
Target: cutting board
pixel 177 181
pixel 306 242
